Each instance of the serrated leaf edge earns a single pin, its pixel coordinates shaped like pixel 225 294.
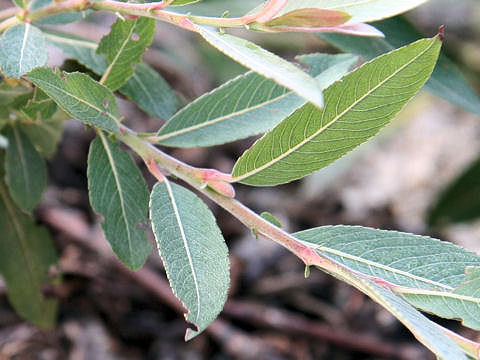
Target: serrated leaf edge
pixel 305 141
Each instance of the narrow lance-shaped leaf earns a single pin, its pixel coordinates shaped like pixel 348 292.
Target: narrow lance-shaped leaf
pixel 26 254
pixel 26 172
pixel 355 110
pixel 425 330
pixel 193 252
pixel 460 201
pixel 446 81
pixel 245 106
pixel 22 48
pixel 118 191
pixel 429 273
pixel 79 96
pixel 265 63
pixel 123 47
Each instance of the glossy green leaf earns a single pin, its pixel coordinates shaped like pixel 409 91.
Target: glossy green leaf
pixel 22 48
pixel 79 96
pixel 151 92
pixel 360 10
pixel 84 51
pixel 265 63
pixel 26 171
pixel 123 47
pixel 193 252
pixel 26 254
pixel 118 191
pixel 446 81
pixel 429 273
pixel 460 201
pixel 245 106
pixel 355 110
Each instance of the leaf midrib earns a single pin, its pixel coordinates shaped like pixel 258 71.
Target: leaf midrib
pixel 186 246
pixel 24 43
pixel 78 99
pixel 323 128
pixel 120 194
pixel 221 118
pixel 379 266
pixel 115 59
pixel 19 142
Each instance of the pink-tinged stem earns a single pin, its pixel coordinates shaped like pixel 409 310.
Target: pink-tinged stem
pixel 272 8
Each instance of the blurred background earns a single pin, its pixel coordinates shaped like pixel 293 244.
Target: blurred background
pixel 399 180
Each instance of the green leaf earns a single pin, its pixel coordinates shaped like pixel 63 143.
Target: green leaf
pixel 123 47
pixel 22 48
pixel 79 96
pixel 39 106
pixel 400 258
pixel 271 219
pixel 193 252
pixel 151 92
pixel 425 330
pixel 44 134
pixel 355 110
pixel 265 63
pixel 26 172
pixel 245 106
pixel 9 93
pixel 84 51
pixel 26 254
pixel 429 273
pixel 360 10
pixel 460 201
pixel 118 191
pixel 462 303
pixel 446 81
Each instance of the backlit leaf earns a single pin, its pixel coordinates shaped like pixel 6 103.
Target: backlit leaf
pixel 118 191
pixel 355 110
pixel 245 106
pixel 193 252
pixel 446 81
pixel 123 47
